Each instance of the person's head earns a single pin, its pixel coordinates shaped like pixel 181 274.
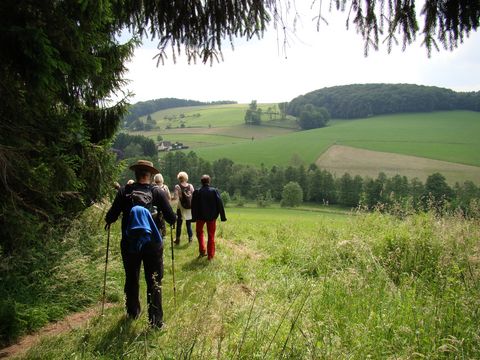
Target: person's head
pixel 143 170
pixel 205 179
pixel 158 179
pixel 182 176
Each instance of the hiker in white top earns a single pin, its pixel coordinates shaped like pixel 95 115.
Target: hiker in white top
pixel 158 180
pixel 183 193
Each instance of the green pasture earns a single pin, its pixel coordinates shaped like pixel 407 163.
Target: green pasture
pixel 449 136
pixel 300 284
pixel 195 141
pixel 340 159
pixel 204 116
pixel 279 150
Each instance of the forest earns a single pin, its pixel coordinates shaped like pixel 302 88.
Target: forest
pixel 364 100
pixel 241 183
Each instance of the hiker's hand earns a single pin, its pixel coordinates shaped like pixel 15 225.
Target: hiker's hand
pixel 107 226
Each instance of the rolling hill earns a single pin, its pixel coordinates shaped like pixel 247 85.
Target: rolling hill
pixel 218 131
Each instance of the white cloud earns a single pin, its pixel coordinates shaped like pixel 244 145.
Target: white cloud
pixel 258 69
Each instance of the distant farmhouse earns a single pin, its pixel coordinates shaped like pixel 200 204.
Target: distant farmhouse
pixel 167 146
pixel 164 146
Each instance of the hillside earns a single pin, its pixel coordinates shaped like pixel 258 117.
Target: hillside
pixel 365 100
pixel 218 131
pixel 447 136
pixel 293 284
pixel 144 108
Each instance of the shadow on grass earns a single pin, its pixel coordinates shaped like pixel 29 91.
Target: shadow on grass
pixel 196 264
pixel 124 337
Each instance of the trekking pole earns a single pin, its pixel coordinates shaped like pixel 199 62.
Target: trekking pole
pixel 173 269
pixel 106 263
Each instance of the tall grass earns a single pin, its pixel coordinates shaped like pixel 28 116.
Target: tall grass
pixel 53 277
pixel 305 285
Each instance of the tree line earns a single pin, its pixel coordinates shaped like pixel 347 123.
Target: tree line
pixel 364 100
pixel 131 146
pixel 319 186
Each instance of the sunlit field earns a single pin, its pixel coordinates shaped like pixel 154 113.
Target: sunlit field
pixel 304 284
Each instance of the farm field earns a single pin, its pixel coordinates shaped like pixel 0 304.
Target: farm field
pixel 216 136
pixel 450 136
pixel 340 159
pixel 300 285
pixel 203 116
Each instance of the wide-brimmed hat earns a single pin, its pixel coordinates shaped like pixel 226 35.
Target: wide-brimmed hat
pixel 146 165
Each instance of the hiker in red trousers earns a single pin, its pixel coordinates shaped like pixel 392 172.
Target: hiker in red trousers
pixel 206 206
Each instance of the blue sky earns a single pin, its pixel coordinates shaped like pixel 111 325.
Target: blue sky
pixel 260 70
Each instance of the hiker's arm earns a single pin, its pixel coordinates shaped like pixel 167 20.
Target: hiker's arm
pixel 116 209
pixel 194 205
pixel 220 207
pixel 163 205
pixel 175 193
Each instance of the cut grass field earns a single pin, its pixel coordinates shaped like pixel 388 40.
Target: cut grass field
pixel 340 159
pixel 449 135
pixel 303 285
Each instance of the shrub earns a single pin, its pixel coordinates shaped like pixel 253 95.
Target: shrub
pixel 292 195
pixel 225 198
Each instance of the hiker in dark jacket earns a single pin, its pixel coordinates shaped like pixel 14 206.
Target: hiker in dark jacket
pixel 206 206
pixel 150 250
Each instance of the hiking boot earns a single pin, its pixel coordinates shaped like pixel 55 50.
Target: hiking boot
pixel 177 241
pixel 190 239
pixel 157 325
pixel 133 316
pixel 202 255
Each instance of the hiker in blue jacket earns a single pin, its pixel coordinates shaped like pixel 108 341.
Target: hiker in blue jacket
pixel 141 240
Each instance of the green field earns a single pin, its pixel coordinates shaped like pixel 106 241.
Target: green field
pixel 204 116
pixel 449 136
pixel 301 284
pixel 219 131
pixel 339 159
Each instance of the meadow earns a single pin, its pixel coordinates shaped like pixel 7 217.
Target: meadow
pixel 203 116
pixel 448 138
pixel 303 284
pixel 340 159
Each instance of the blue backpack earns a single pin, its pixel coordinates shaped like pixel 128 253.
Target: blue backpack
pixel 140 225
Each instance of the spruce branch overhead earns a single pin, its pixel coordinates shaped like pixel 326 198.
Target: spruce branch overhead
pixel 199 28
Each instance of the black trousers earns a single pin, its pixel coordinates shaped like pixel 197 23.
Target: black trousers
pixel 188 223
pixel 152 257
